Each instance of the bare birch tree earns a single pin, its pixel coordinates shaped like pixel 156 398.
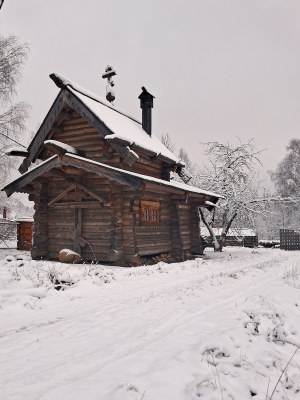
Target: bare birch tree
pixel 13 54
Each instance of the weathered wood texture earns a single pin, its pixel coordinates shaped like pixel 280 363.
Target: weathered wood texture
pixel 24 235
pixel 77 132
pixel 180 227
pixel 151 239
pixel 196 243
pixel 183 215
pixel 40 232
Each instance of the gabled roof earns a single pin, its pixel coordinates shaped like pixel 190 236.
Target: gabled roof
pixel 111 122
pixel 124 177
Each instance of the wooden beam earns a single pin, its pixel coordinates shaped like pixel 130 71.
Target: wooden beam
pixel 19 183
pixel 91 192
pixel 43 131
pixel 104 170
pixel 77 204
pixel 62 195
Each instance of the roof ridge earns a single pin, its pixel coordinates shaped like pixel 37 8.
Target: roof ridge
pixel 63 82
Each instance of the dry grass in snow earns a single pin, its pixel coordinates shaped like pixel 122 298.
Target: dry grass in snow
pixel 225 327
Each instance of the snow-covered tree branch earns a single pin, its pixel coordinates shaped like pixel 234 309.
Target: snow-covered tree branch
pixel 232 174
pixel 13 54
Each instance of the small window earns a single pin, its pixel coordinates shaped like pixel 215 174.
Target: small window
pixel 149 212
pixel 154 214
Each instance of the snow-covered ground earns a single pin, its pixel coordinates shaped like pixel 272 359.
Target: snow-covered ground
pixel 224 327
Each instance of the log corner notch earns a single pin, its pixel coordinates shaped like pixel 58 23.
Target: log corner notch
pixel 115 255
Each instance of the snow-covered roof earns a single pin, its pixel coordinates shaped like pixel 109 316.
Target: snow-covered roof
pixel 67 158
pixel 24 219
pixel 178 185
pixel 122 125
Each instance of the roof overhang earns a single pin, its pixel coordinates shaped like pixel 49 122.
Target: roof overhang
pixel 131 179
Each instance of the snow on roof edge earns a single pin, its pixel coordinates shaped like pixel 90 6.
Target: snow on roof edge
pixel 178 185
pixel 67 82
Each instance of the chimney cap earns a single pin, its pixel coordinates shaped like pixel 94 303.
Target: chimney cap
pixel 146 91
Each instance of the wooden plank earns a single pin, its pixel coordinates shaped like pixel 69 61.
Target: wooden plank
pixel 76 204
pixel 32 175
pixel 44 129
pixel 91 192
pixel 62 195
pixel 116 175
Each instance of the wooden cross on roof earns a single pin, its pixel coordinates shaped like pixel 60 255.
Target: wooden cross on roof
pixel 109 73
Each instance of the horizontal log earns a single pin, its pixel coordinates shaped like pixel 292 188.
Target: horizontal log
pixel 156 250
pixel 76 133
pixel 96 249
pixel 77 205
pixel 100 229
pixel 60 223
pixel 134 259
pixel 153 244
pixel 163 226
pixel 115 255
pixel 146 232
pixel 130 250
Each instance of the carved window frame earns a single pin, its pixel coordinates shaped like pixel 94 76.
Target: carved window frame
pixel 150 212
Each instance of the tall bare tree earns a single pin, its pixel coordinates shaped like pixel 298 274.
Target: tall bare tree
pixel 287 175
pixel 13 54
pixel 232 175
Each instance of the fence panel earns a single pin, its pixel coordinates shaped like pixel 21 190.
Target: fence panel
pixel 289 239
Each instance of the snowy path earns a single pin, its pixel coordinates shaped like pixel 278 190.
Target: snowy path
pixel 146 331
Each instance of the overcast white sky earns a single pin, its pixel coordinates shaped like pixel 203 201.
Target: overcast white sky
pixel 218 68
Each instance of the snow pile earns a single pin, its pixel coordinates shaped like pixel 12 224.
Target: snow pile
pixel 222 327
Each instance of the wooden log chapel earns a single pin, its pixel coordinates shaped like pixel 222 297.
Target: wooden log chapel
pixel 104 188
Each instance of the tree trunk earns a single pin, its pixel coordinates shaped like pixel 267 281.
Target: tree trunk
pixel 224 233
pixel 212 233
pixel 218 246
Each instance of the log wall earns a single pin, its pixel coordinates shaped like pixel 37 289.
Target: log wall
pixel 78 133
pixel 60 220
pixel 40 230
pixel 196 243
pixel 111 231
pixel 154 239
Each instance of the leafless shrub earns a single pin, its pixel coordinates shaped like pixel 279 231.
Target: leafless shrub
pixel 8 232
pixel 292 273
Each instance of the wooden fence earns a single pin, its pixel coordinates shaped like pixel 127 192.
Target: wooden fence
pixel 245 241
pixel 20 230
pixel 289 239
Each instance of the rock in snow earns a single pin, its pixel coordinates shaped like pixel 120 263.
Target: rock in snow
pixel 69 256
